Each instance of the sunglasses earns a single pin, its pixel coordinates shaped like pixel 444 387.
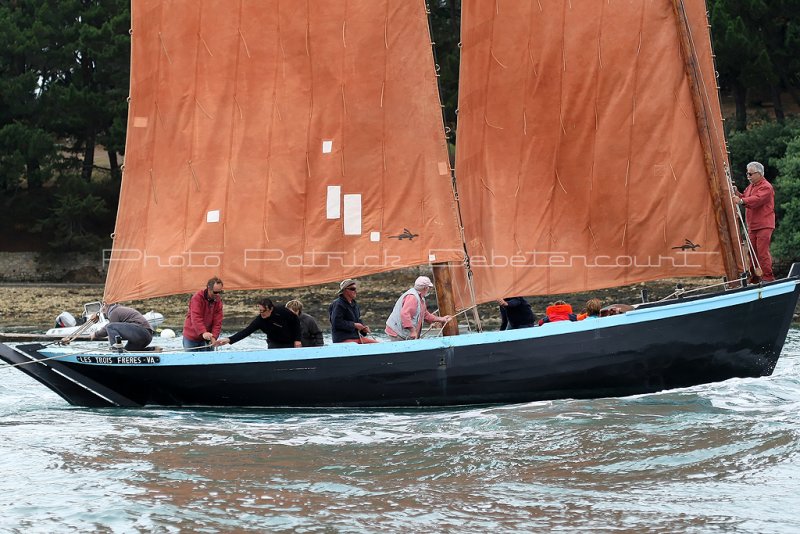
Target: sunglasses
pixel 352 288
pixel 220 292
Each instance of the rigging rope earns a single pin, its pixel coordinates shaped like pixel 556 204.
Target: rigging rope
pixel 682 292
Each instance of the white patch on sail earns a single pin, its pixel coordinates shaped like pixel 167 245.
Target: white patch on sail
pixel 334 201
pixel 327 147
pixel 212 216
pixel 375 237
pixel 140 122
pixel 352 215
pixel 432 258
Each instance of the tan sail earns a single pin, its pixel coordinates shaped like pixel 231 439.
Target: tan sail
pixel 579 160
pixel 280 144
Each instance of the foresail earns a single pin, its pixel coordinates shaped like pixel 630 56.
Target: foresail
pixel 280 144
pixel 579 160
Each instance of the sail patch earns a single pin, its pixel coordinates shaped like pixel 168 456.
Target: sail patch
pixel 352 215
pixel 327 147
pixel 212 216
pixel 334 201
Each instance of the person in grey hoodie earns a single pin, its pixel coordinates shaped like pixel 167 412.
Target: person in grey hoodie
pixel 128 324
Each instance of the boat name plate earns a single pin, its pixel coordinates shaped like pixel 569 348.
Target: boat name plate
pixel 121 360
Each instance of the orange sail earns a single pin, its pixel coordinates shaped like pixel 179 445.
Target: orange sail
pixel 280 144
pixel 579 158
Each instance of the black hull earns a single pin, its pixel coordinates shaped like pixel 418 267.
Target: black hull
pixel 743 340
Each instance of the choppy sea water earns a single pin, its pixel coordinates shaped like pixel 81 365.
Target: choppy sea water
pixel 717 458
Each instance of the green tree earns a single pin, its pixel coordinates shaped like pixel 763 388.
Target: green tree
pixel 445 23
pixel 76 220
pixel 786 242
pixel 27 147
pixel 742 59
pixel 779 27
pixel 756 44
pixel 87 86
pixel 765 142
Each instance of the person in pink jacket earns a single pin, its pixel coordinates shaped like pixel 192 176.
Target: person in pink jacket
pixel 204 318
pixel 410 312
pixel 759 203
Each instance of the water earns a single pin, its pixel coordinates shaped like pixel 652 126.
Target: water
pixel 717 458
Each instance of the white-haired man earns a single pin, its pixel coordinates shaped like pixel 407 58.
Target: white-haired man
pixel 759 202
pixel 410 312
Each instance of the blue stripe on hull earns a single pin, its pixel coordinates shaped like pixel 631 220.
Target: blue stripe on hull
pixel 226 356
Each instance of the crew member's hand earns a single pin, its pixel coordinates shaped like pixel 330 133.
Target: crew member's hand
pixel 208 336
pixel 95 317
pixel 221 341
pixel 502 302
pixel 414 334
pixel 360 327
pixel 298 345
pixel 446 319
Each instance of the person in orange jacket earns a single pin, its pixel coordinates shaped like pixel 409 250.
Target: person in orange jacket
pixel 558 311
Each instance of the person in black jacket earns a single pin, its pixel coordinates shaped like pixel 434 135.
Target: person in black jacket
pixel 345 316
pixel 310 334
pixel 281 326
pixel 515 312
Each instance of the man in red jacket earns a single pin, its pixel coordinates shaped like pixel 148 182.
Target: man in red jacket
pixel 204 318
pixel 759 202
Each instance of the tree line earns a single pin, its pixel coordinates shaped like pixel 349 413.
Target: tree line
pixel 64 68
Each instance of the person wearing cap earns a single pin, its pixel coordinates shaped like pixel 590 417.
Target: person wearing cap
pixel 410 312
pixel 345 316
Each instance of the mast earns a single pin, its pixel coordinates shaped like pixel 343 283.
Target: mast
pixel 442 276
pixel 444 295
pixel 717 181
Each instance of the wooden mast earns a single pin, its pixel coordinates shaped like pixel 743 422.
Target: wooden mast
pixel 443 281
pixel 717 181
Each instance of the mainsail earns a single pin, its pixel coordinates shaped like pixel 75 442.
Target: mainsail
pixel 580 164
pixel 280 144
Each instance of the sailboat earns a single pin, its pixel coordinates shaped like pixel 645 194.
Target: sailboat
pixel 281 145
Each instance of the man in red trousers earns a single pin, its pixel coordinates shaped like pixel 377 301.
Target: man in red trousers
pixel 759 202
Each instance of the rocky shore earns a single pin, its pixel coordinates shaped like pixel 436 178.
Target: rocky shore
pixel 33 307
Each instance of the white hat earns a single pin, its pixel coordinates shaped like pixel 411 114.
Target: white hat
pixel 423 281
pixel 346 283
